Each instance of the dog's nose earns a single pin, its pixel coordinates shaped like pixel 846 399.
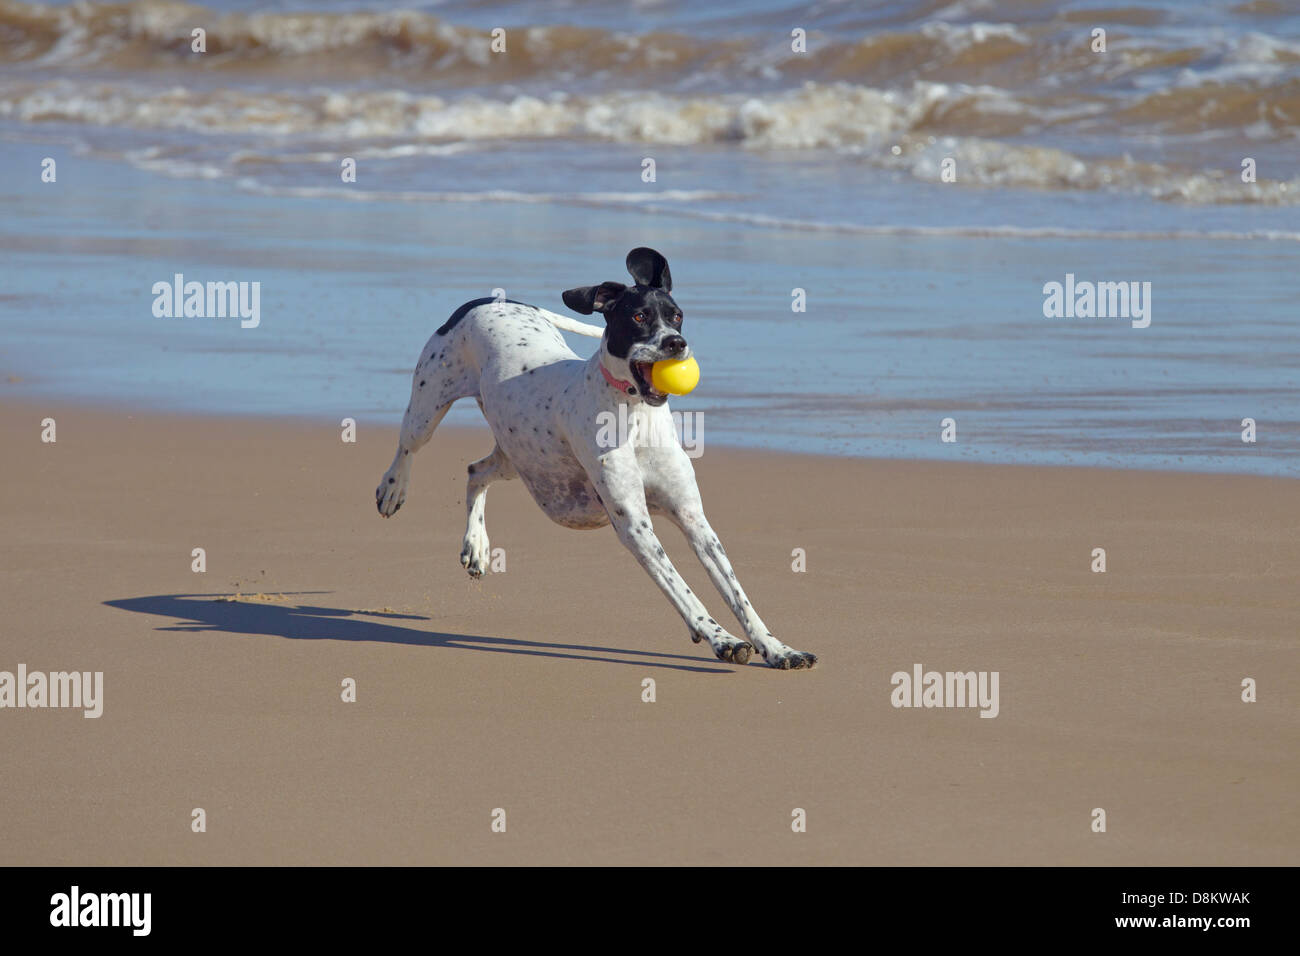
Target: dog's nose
pixel 674 345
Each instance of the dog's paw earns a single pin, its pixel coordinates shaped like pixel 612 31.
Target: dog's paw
pixel 788 659
pixel 726 647
pixel 475 554
pixel 391 493
pixel 737 653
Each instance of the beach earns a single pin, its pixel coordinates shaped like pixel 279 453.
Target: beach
pixel 998 415
pixel 523 692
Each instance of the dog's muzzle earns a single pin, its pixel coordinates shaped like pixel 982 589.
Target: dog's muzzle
pixel 642 373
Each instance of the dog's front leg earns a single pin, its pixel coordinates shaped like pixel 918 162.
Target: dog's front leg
pixel 623 494
pixel 704 542
pixel 675 493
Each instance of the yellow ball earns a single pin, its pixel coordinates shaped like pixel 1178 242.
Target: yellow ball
pixel 676 376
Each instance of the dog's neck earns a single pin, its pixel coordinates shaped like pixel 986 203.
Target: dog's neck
pixel 626 387
pixel 618 384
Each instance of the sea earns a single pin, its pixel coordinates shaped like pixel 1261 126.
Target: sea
pixel 865 206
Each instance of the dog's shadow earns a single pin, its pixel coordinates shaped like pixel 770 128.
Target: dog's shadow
pixel 218 612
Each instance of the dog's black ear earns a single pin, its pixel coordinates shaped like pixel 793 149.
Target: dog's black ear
pixel 593 298
pixel 649 268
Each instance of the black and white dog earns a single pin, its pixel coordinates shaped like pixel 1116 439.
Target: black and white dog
pixel 545 407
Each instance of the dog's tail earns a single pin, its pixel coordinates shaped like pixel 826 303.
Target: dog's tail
pixel 567 324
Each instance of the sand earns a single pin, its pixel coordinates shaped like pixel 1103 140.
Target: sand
pixel 523 691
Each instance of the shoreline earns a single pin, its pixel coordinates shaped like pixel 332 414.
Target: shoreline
pixel 464 430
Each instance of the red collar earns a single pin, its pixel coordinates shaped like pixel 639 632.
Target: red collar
pixel 619 384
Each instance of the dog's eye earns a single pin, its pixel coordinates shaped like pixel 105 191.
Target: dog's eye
pixel 677 318
pixel 639 317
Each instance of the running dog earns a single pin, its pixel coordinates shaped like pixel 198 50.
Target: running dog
pixel 545 406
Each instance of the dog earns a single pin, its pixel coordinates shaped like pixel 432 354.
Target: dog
pixel 544 405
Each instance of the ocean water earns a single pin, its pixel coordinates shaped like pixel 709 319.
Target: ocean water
pixel 774 170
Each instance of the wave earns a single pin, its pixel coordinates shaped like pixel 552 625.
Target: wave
pixel 603 199
pixel 992 231
pixel 891 130
pixel 899 86
pixel 152 34
pixel 1044 56
pixel 677 203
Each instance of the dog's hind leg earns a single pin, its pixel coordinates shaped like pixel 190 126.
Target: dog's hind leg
pixel 416 431
pixel 442 375
pixel 474 553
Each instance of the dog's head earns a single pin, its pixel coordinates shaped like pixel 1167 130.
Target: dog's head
pixel 643 324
